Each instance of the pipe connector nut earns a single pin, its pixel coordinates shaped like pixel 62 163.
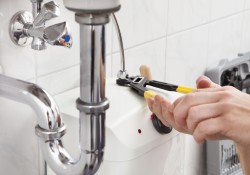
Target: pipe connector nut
pixel 50 134
pixel 92 108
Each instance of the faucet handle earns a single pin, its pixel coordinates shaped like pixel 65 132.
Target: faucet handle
pixel 58 34
pixel 49 10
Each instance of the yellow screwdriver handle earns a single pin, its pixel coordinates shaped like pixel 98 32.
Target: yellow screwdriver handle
pixel 184 89
pixel 180 89
pixel 149 94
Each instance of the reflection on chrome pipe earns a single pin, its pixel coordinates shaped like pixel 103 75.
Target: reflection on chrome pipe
pixel 50 128
pixel 31 94
pixel 92 79
pixel 91 104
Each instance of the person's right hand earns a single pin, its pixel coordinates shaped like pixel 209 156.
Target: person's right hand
pixel 210 113
pixel 214 113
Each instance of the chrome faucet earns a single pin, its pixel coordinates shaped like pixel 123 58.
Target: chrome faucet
pixel 24 30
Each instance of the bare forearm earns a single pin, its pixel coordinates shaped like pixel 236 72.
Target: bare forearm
pixel 244 154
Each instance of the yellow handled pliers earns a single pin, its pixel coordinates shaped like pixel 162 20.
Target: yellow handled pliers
pixel 139 84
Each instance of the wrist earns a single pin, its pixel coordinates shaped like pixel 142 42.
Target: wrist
pixel 243 152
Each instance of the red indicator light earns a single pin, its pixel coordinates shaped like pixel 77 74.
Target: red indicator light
pixel 152 117
pixel 139 131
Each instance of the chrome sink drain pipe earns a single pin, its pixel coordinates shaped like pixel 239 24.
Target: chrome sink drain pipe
pixel 92 15
pixel 91 104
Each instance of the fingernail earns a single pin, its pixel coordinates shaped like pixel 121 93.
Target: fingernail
pixel 156 100
pixel 149 101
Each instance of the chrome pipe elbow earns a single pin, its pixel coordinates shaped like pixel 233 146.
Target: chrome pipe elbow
pixel 46 109
pixel 50 129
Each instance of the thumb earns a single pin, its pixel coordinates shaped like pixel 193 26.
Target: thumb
pixel 205 82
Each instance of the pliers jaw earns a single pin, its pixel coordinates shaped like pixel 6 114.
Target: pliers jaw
pixel 138 84
pixel 124 81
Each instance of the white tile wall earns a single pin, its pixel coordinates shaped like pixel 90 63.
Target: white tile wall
pixel 247 6
pixel 186 56
pixel 179 39
pixel 185 14
pixel 152 54
pixel 16 61
pixel 61 81
pixel 223 8
pixel 224 39
pixel 141 21
pixel 109 66
pixel 18 143
pixel 245 45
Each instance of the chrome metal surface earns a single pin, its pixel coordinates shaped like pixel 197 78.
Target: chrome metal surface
pixel 58 35
pixel 49 11
pixel 24 28
pixel 92 122
pixel 92 19
pixel 51 129
pixel 90 108
pixel 33 1
pixel 92 65
pixel 123 72
pixel 16 28
pixel 93 6
pixel 46 109
pixel 38 44
pixel 50 134
pixel 36 7
pixel 92 91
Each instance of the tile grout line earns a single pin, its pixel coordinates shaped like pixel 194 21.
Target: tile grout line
pixel 204 24
pixel 57 71
pixel 141 44
pixel 137 45
pixel 182 31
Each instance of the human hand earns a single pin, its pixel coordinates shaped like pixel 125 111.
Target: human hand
pixel 160 106
pixel 213 112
